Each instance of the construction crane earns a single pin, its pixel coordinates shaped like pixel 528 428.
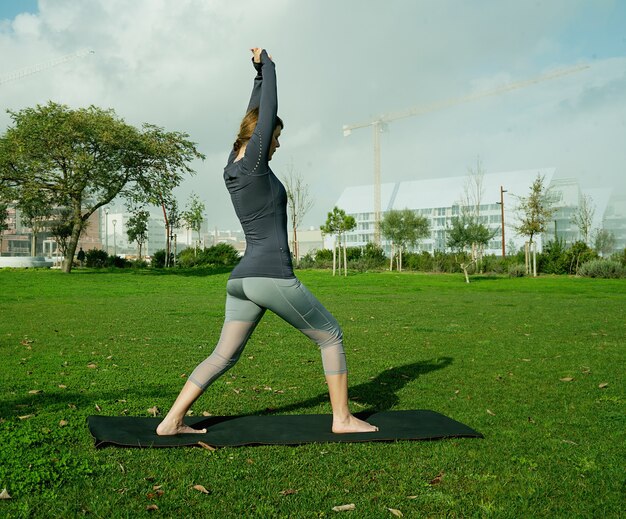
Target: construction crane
pixel 34 69
pixel 379 124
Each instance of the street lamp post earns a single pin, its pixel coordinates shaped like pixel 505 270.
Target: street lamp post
pixel 114 240
pixel 106 230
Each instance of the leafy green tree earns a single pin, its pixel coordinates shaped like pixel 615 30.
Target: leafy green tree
pixel 534 213
pixel 193 215
pixel 469 236
pixel 83 158
pixel 137 228
pixel 337 224
pixel 403 228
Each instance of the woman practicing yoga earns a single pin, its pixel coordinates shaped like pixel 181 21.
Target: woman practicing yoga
pixel 264 277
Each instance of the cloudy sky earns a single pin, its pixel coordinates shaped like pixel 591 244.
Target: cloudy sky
pixel 184 65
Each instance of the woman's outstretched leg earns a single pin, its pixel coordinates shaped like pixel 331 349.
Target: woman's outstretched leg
pixel 343 420
pixel 233 339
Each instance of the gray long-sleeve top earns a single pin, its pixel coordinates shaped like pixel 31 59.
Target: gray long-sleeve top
pixel 259 198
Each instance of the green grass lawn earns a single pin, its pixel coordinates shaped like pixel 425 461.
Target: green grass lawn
pixel 520 360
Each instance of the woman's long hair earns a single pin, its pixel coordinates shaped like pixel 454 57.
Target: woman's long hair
pixel 247 126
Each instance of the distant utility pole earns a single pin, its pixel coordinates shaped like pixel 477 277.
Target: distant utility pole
pixel 501 204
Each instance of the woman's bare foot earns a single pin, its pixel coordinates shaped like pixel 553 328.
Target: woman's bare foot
pixel 352 425
pixel 171 427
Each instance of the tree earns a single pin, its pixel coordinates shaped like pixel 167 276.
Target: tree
pixel 193 215
pixel 468 235
pixel 473 191
pixel 337 224
pixel 604 242
pixel 137 228
pixel 583 216
pixel 298 204
pixel 469 226
pixel 534 213
pixel 82 159
pixel 403 228
pixel 171 151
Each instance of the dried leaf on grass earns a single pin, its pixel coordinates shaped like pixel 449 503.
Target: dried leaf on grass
pixel 603 385
pixel 344 508
pixel 91 365
pixel 207 446
pixel 566 379
pixel 4 494
pixel 26 416
pixel 396 512
pixel 62 386
pixel 98 408
pixel 437 479
pixel 63 423
pixel 200 488
pixel 35 391
pixel 151 508
pixel 489 411
pixel 288 491
pixel 154 411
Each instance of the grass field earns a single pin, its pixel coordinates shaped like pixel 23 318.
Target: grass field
pixel 536 365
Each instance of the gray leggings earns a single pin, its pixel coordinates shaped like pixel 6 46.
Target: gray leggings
pixel 247 300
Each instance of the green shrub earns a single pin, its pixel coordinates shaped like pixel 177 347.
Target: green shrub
pixel 492 264
pixel 449 262
pixel 189 257
pixel 96 258
pixel 158 259
pixel 553 259
pixel 371 251
pixel 601 268
pixel 353 254
pixel 223 254
pixel 139 264
pixel 421 261
pixel 517 270
pixel 323 255
pixel 578 254
pixel 117 262
pixel 619 257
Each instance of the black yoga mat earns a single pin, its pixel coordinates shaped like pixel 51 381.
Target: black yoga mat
pixel 222 431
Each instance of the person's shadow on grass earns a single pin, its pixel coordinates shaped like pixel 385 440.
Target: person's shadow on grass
pixel 380 393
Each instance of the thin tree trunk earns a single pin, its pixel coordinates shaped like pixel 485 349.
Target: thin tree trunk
pixel 71 248
pixel 391 258
pixel 167 235
pixel 345 260
pixel 334 254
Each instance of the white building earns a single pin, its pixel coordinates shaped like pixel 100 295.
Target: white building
pixel 438 200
